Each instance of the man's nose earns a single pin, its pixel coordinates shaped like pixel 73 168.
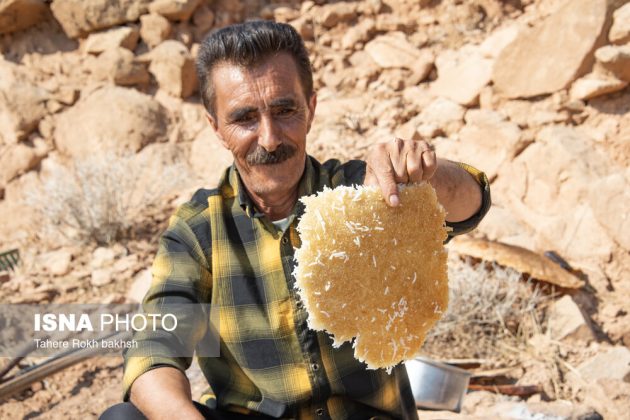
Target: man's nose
pixel 268 136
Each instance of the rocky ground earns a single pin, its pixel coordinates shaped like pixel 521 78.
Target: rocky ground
pixel 534 92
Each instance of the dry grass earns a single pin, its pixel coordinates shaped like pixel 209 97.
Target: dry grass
pixel 100 198
pixel 491 311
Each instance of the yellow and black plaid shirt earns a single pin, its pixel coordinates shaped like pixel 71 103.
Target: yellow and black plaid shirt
pixel 218 248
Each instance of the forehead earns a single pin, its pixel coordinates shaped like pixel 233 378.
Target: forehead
pixel 236 85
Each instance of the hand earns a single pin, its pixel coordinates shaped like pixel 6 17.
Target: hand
pixel 399 161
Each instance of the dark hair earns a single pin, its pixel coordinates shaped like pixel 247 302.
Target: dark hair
pixel 247 44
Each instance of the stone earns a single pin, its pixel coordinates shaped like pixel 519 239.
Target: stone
pixel 103 257
pixel 594 85
pixel 17 159
pixel 203 21
pixel 173 68
pixel 284 14
pixel 79 17
pixel 304 26
pixel 125 36
pixel 22 106
pixel 358 34
pixel 154 29
pixel 620 30
pixel 462 75
pixel 175 10
pixel 101 277
pixel 393 50
pixel 613 364
pixel 488 140
pixel 616 60
pixel 208 158
pixel 445 114
pixel 120 66
pixel 16 15
pixel 333 14
pixel 57 262
pixel 111 118
pixel 566 320
pixel 139 286
pixel 564 42
pixel 608 198
pixel 493 45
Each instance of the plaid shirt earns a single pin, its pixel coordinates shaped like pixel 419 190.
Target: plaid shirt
pixel 218 248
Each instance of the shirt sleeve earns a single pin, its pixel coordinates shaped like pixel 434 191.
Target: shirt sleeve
pixel 465 226
pixel 181 278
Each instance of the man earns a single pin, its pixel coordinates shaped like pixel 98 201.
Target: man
pixel 233 246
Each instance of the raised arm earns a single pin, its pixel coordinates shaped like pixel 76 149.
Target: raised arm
pixel 407 161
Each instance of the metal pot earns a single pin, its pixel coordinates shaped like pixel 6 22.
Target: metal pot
pixel 436 385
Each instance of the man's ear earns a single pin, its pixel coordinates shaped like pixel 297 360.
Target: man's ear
pixel 215 128
pixel 312 104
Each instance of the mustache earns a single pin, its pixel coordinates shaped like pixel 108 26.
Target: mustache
pixel 261 156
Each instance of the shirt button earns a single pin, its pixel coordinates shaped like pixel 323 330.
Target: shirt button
pixel 315 367
pixel 319 411
pixel 285 240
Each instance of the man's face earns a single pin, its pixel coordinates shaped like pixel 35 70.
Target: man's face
pixel 262 117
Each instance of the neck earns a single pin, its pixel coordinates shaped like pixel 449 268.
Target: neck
pixel 275 206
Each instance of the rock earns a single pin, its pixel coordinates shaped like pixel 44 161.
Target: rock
pixel 173 68
pixel 103 257
pixel 488 140
pixel 120 66
pixel 613 364
pixel 154 29
pixel 358 34
pixel 616 60
pixel 566 320
pixel 333 14
pixel 176 10
pixel 285 14
pixel 80 17
pixel 140 286
pixel 393 50
pixel 17 159
pixel 594 85
pixel 125 36
pixel 304 26
pixel 57 262
pixel 564 42
pixel 110 119
pixel 609 197
pixel 203 20
pixel 22 105
pixel 620 30
pixel 493 45
pixel 461 76
pixel 16 15
pixel 208 158
pixel 127 263
pixel 445 114
pixel 101 277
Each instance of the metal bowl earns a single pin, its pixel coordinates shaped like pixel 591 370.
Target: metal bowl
pixel 437 386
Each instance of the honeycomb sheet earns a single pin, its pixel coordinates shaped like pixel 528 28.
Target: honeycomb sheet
pixel 372 274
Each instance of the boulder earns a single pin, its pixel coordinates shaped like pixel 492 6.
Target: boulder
pixel 101 277
pixel 125 36
pixel 176 10
pixel 620 30
pixel 120 66
pixel 358 34
pixel 462 75
pixel 498 40
pixel 488 140
pixel 609 197
pixel 173 68
pixel 593 85
pixel 332 14
pixel 567 321
pixel 16 15
pixel 203 21
pixel 17 159
pixel 154 29
pixel 613 364
pixel 110 119
pixel 103 257
pixel 616 60
pixel 445 114
pixel 57 262
pixel 208 158
pixel 393 50
pixel 79 17
pixel 553 53
pixel 22 106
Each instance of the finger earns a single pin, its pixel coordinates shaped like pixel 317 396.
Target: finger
pixel 370 179
pixel 397 151
pixel 415 168
pixel 384 174
pixel 429 164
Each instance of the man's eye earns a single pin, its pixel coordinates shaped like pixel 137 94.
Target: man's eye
pixel 286 111
pixel 244 119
